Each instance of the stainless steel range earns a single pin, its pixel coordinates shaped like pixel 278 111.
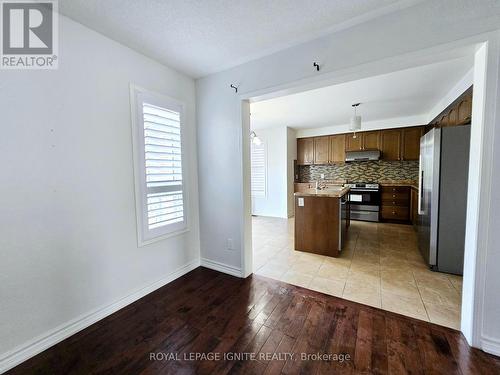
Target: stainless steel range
pixel 364 199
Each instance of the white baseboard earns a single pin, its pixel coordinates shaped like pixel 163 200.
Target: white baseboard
pixel 221 267
pixel 490 345
pixel 37 345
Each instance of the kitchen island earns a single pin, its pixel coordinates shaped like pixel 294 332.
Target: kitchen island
pixel 321 220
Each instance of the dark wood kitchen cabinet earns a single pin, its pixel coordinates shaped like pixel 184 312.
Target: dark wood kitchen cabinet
pixel 395 203
pixel 337 148
pixel 457 113
pixel 321 150
pixel 371 140
pixel 411 143
pixel 305 151
pixel 353 144
pixel 363 141
pixel 453 117
pixel 394 144
pixel 391 144
pixel 465 109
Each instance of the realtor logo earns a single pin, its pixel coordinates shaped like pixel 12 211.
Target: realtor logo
pixel 29 34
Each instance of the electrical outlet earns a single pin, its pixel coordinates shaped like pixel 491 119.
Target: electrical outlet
pixel 230 245
pixel 322 175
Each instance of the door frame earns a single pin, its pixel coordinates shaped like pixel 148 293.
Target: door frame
pixel 486 109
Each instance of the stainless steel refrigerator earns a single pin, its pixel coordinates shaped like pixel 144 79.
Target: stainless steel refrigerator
pixel 442 204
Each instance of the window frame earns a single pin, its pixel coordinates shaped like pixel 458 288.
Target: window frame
pixel 138 96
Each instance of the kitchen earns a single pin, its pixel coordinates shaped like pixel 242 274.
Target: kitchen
pixel 376 252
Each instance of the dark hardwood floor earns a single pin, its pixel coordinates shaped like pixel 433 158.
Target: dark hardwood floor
pixel 209 312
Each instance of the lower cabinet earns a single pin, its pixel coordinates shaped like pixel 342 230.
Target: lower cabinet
pixel 395 203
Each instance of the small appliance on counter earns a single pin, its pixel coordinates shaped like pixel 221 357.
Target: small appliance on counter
pixel 364 201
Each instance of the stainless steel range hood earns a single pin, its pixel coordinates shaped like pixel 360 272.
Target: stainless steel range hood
pixel 362 155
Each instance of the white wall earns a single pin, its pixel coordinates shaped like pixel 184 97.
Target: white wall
pixel 460 87
pixel 67 221
pixel 350 54
pixel 274 203
pixel 481 267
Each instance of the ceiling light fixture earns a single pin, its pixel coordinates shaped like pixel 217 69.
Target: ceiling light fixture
pixel 255 140
pixel 355 124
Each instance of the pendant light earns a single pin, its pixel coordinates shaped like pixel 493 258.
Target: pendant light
pixel 255 140
pixel 355 124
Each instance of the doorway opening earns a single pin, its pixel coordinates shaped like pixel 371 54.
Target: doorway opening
pixel 380 247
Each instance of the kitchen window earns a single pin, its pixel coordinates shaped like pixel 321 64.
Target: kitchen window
pixel 258 169
pixel 160 189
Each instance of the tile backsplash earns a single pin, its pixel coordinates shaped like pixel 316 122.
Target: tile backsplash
pixel 363 171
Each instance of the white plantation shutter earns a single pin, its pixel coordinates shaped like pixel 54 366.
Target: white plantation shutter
pixel 258 170
pixel 163 161
pixel 159 165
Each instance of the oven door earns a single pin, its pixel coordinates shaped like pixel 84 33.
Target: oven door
pixel 364 197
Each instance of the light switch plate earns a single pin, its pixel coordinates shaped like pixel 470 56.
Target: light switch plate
pixel 300 202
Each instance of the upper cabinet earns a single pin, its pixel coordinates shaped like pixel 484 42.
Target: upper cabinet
pixel 457 113
pixel 353 142
pixel 464 106
pixel 337 148
pixel 371 140
pixel 453 117
pixel 394 144
pixel 391 144
pixel 363 141
pixel 411 143
pixel 321 150
pixel 305 151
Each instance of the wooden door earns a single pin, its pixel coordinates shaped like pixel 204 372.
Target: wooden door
pixel 305 151
pixel 353 144
pixel 321 150
pixel 337 148
pixel 411 143
pixel 391 144
pixel 371 140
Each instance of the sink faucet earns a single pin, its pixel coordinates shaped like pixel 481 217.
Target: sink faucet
pixel 320 185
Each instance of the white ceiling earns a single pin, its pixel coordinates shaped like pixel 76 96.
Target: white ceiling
pixel 199 37
pixel 403 93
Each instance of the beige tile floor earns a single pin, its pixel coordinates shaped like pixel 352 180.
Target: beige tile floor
pixel 380 266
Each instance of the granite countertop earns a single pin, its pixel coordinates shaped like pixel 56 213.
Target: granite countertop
pixel 326 182
pixel 410 183
pixel 328 192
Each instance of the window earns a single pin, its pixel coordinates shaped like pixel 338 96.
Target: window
pixel 158 165
pixel 258 166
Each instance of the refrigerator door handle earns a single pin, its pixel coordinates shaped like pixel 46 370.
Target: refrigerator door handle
pixel 420 188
